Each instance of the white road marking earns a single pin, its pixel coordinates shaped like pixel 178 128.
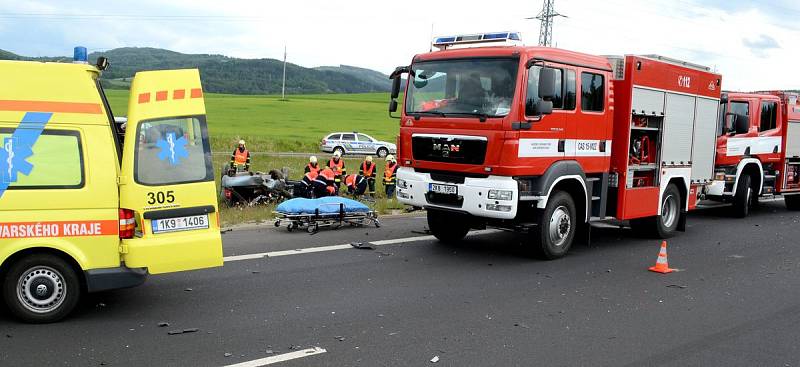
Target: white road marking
pixel 344 247
pixel 280 358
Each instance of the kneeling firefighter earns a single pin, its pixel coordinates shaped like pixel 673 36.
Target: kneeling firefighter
pixel 324 183
pixel 305 188
pixel 356 184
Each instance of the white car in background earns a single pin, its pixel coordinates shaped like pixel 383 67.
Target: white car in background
pixel 356 143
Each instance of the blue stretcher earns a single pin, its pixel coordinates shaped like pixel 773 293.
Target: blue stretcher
pixel 332 211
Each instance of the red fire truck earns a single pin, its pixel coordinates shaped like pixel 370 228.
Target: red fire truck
pixel 544 141
pixel 758 150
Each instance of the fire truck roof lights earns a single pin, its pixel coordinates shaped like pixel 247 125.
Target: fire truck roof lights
pixel 443 43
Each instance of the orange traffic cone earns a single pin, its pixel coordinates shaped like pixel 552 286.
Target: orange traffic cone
pixel 661 262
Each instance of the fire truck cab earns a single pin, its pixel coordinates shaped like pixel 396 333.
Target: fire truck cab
pixel 758 149
pixel 544 140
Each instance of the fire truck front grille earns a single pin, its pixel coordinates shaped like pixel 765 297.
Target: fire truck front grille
pixel 464 150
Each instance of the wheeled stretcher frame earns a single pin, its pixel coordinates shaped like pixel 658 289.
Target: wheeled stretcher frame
pixel 313 221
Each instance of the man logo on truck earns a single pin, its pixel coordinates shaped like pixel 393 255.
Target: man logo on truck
pixel 446 149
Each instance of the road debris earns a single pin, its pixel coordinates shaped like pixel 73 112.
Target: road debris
pixel 191 330
pixel 339 338
pixel 678 286
pixel 519 324
pixel 227 355
pixel 362 245
pixel 163 324
pixel 188 290
pixel 435 359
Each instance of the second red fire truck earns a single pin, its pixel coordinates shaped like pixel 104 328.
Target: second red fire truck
pixel 758 150
pixel 544 141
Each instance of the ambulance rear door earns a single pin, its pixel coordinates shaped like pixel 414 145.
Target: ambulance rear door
pixel 167 179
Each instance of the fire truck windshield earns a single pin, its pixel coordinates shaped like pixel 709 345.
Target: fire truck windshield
pixel 478 87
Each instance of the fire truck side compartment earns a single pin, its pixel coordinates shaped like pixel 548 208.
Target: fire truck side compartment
pixel 705 136
pixel 676 147
pixel 793 139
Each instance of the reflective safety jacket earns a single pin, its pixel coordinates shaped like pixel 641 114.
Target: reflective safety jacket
pixel 390 174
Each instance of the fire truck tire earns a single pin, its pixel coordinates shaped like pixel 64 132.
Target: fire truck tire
pixel 557 227
pixel 744 198
pixel 664 225
pixel 446 228
pixel 792 202
pixel 41 288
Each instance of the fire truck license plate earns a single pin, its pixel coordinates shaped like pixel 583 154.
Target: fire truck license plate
pixel 444 189
pixel 180 224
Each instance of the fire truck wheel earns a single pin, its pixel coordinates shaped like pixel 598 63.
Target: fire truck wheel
pixel 664 225
pixel 792 202
pixel 41 288
pixel 446 228
pixel 744 198
pixel 557 226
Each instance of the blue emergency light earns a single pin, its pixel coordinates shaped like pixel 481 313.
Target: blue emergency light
pixel 80 56
pixel 443 43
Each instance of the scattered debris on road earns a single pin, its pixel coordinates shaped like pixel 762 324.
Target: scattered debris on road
pixel 524 326
pixel 163 324
pixel 678 286
pixel 184 331
pixel 435 359
pixel 362 245
pixel 188 290
pixel 227 355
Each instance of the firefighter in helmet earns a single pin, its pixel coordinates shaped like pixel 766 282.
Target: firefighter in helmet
pixel 336 163
pixel 390 176
pixel 305 187
pixel 369 171
pixel 312 165
pixel 240 159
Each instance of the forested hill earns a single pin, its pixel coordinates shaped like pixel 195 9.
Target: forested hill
pixel 222 74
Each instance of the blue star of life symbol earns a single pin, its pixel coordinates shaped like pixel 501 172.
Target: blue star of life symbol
pixel 172 149
pixel 17 148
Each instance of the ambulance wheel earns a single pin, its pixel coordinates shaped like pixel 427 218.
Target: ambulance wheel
pixel 792 202
pixel 277 223
pixel 383 152
pixel 744 198
pixel 557 226
pixel 290 227
pixel 41 288
pixel 447 227
pixel 664 225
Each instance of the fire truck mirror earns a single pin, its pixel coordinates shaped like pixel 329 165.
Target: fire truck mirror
pixel 742 124
pixel 392 106
pixel 544 107
pixel 547 83
pixel 396 87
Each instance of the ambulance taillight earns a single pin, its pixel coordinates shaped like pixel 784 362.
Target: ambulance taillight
pixel 127 225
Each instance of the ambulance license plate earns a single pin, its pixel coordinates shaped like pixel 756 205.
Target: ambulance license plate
pixel 180 224
pixel 443 189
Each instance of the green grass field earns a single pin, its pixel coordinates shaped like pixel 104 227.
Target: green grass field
pixel 270 124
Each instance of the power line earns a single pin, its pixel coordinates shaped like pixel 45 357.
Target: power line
pixel 546 22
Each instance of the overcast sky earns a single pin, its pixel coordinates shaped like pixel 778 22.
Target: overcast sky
pixel 753 44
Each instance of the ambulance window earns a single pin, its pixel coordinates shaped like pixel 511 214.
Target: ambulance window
pixel 173 151
pixel 54 161
pixel 592 92
pixel 769 115
pixel 533 88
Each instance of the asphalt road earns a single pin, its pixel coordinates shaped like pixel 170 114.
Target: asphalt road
pixel 485 302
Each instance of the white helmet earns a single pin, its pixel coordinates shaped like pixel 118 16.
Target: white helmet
pixel 369 158
pixel 313 159
pixel 390 158
pixel 241 142
pixel 337 154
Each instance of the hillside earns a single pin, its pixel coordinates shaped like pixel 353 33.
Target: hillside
pixel 222 74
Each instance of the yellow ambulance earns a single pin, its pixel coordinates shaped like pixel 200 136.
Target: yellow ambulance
pixel 88 204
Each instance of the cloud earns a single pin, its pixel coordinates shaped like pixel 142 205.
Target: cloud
pixel 760 45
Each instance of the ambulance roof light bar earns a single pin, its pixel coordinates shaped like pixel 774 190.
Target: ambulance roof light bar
pixel 443 43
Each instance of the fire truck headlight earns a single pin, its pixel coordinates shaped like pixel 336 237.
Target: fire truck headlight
pixel 501 194
pixel 498 208
pixel 402 184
